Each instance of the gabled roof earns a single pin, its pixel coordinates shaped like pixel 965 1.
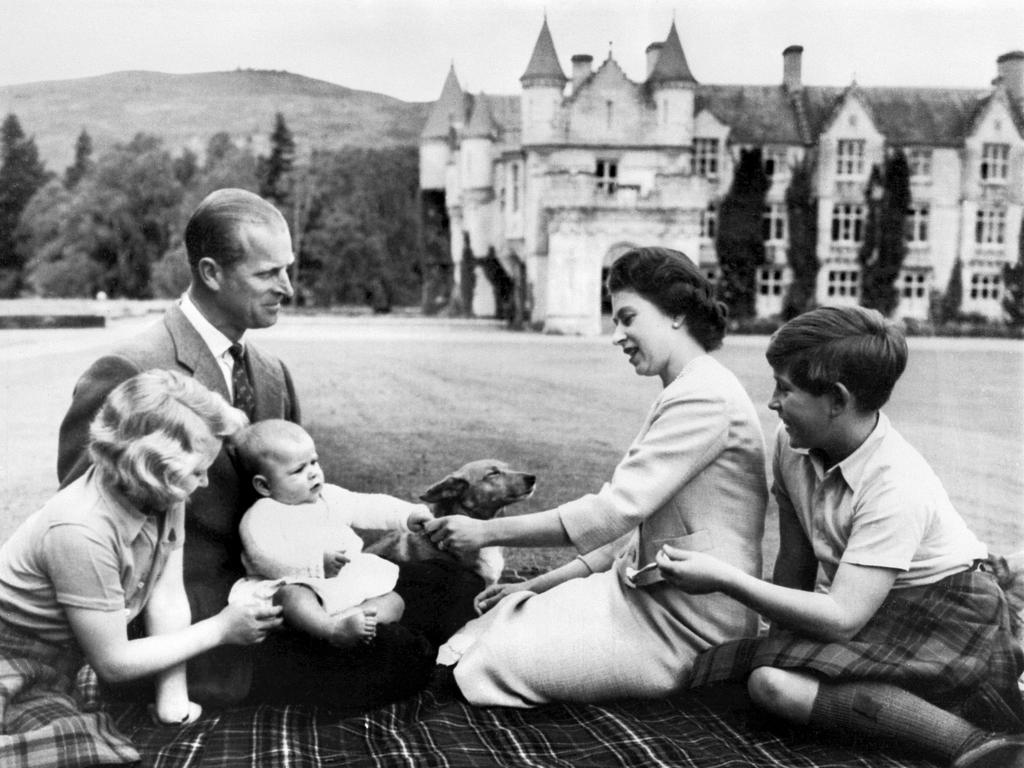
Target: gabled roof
pixel 544 64
pixel 449 109
pixel 671 66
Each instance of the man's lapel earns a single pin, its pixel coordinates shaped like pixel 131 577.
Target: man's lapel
pixel 192 352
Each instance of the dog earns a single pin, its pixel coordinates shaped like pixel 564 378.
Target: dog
pixel 479 489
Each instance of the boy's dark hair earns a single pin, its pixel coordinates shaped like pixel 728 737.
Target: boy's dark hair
pixel 854 346
pixel 674 284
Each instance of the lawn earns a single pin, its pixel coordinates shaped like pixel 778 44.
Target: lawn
pixel 395 404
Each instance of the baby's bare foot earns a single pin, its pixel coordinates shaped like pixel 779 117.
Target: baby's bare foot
pixel 356 625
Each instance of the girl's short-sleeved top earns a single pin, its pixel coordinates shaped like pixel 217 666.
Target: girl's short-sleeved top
pixel 86 548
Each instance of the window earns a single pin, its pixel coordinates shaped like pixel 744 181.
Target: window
pixel 773 223
pixel 709 222
pixel 769 281
pixel 776 162
pixel 994 162
pixel 514 186
pixel 850 157
pixel 606 173
pixel 610 107
pixel 705 157
pixel 920 162
pixel 990 226
pixel 913 284
pixel 986 286
pixel 844 282
pixel 916 224
pixel 847 223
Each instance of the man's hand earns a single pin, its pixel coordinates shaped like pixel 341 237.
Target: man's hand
pixel 457 534
pixel 334 562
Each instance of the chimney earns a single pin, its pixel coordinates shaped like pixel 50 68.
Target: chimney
pixel 580 69
pixel 1010 67
pixel 791 67
pixel 653 51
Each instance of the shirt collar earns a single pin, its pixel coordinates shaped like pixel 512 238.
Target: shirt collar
pixel 126 518
pixel 216 342
pixel 853 467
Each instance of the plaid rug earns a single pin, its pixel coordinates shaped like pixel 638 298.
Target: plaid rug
pixel 437 730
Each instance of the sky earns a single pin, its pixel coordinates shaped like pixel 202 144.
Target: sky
pixel 403 48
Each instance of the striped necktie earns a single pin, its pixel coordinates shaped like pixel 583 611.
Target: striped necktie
pixel 244 399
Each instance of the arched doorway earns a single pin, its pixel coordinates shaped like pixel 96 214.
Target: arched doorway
pixel 609 258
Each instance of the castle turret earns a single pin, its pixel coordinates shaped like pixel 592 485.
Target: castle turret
pixel 448 112
pixel 672 87
pixel 477 147
pixel 543 83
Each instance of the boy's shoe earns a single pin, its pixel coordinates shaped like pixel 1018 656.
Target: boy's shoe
pixel 1003 751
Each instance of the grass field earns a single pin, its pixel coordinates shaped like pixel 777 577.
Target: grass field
pixel 397 403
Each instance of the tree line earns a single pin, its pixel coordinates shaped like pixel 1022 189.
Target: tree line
pixel 113 224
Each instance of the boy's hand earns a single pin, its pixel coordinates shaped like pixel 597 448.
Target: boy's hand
pixel 334 562
pixel 417 518
pixel 694 572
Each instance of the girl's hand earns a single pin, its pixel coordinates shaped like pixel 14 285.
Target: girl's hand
pixel 334 562
pixel 694 572
pixel 249 622
pixel 417 518
pixel 495 593
pixel 457 534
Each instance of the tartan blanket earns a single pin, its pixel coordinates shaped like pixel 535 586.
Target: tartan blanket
pixel 436 729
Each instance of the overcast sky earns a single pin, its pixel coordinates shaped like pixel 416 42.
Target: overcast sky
pixel 403 48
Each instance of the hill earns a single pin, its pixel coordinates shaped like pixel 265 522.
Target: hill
pixel 185 110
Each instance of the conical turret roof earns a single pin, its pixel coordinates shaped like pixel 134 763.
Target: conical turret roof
pixel 481 124
pixel 671 66
pixel 544 64
pixel 448 110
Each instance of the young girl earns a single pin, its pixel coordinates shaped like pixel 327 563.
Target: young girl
pixel 102 551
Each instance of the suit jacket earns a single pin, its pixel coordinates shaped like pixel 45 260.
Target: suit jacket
pixel 212 544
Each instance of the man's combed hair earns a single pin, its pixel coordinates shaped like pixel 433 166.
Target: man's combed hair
pixel 212 230
pixel 149 427
pixel 674 284
pixel 854 346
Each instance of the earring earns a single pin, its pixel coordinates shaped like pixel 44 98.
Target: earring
pixel 676 324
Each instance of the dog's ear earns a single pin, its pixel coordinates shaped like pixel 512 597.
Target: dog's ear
pixel 450 488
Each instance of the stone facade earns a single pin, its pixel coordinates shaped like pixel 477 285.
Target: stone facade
pixel 557 181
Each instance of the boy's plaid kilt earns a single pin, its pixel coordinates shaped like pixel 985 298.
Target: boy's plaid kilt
pixel 42 721
pixel 947 642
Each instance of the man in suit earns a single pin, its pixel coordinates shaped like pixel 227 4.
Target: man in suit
pixel 239 252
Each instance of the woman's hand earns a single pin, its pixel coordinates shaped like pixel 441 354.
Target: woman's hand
pixel 457 534
pixel 694 572
pixel 248 623
pixel 495 593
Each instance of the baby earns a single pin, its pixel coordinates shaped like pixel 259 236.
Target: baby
pixel 301 533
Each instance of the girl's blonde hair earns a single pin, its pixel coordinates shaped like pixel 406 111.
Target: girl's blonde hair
pixel 149 427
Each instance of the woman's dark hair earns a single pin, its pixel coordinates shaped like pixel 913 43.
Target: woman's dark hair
pixel 674 284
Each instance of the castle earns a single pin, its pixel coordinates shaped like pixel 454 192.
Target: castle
pixel 554 183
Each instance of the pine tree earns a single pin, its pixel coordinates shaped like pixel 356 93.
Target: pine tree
pixel 83 163
pixel 275 168
pixel 740 243
pixel 951 300
pixel 885 241
pixel 1013 282
pixel 801 210
pixel 21 174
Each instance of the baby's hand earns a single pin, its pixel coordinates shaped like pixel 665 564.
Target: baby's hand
pixel 334 562
pixel 417 518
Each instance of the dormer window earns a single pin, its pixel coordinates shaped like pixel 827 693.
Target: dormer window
pixel 920 162
pixel 850 157
pixel 994 162
pixel 607 172
pixel 705 158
